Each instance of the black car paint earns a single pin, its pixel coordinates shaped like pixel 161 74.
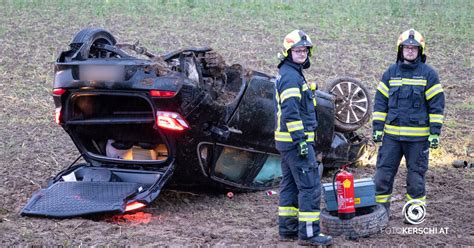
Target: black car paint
pixel 238 116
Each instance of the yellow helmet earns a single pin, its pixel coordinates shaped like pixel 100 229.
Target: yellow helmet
pixel 297 38
pixel 411 37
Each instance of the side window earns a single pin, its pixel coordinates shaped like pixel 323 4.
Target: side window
pixel 233 165
pixel 270 173
pixel 244 168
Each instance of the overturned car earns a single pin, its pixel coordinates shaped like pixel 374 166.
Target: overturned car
pixel 139 119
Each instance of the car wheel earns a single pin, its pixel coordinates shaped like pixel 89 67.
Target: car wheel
pixel 367 222
pixel 352 103
pixel 88 40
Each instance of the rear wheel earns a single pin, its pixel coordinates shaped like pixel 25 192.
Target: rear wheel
pixel 352 103
pixel 89 40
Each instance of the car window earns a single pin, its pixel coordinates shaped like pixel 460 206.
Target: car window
pixel 270 174
pixel 247 168
pixel 234 164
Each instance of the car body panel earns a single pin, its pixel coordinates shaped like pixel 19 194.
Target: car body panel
pixel 119 126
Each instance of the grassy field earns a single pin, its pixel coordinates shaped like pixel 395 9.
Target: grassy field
pixel 352 38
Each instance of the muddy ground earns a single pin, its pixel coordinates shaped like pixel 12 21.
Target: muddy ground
pixel 33 148
pixel 202 218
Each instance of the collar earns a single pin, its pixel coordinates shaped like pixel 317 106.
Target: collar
pixel 288 62
pixel 410 66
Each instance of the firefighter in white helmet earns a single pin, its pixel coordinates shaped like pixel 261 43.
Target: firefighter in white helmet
pixel 407 119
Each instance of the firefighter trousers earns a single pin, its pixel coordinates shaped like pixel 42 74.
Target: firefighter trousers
pixel 388 160
pixel 300 195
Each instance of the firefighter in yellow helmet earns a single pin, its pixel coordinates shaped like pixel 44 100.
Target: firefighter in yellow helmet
pixel 407 119
pixel 409 38
pixel 295 125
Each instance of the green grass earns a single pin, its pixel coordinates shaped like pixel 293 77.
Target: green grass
pixel 243 26
pixel 351 38
pixel 251 30
pixel 452 19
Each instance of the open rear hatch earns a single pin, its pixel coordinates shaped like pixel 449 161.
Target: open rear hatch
pixel 89 190
pixel 128 158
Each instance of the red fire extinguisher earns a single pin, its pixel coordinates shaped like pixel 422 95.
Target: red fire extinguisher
pixel 344 181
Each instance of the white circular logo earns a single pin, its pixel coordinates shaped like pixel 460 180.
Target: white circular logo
pixel 414 211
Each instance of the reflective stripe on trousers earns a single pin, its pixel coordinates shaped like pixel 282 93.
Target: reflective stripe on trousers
pixel 388 160
pixel 300 189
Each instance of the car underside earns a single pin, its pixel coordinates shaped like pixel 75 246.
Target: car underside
pixel 143 120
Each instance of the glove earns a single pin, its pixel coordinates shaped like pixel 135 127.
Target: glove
pixel 377 136
pixel 303 149
pixel 434 141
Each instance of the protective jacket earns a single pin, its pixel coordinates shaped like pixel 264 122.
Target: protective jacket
pixel 295 118
pixel 300 189
pixel 409 102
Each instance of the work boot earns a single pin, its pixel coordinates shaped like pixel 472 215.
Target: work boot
pixel 288 237
pixel 321 239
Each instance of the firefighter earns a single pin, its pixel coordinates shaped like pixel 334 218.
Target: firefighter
pixel 408 115
pixel 295 122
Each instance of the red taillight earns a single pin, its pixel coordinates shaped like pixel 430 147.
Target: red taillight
pixel 57 116
pixel 162 93
pixel 58 91
pixel 171 120
pixel 133 206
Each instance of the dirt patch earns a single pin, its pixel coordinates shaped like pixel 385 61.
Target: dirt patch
pixel 33 148
pixel 206 218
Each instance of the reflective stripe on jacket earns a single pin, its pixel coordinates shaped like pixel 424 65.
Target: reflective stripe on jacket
pixel 295 118
pixel 409 102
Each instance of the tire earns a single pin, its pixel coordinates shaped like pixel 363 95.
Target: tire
pixel 86 40
pixel 352 107
pixel 360 226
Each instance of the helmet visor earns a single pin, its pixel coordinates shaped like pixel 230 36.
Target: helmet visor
pixel 410 42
